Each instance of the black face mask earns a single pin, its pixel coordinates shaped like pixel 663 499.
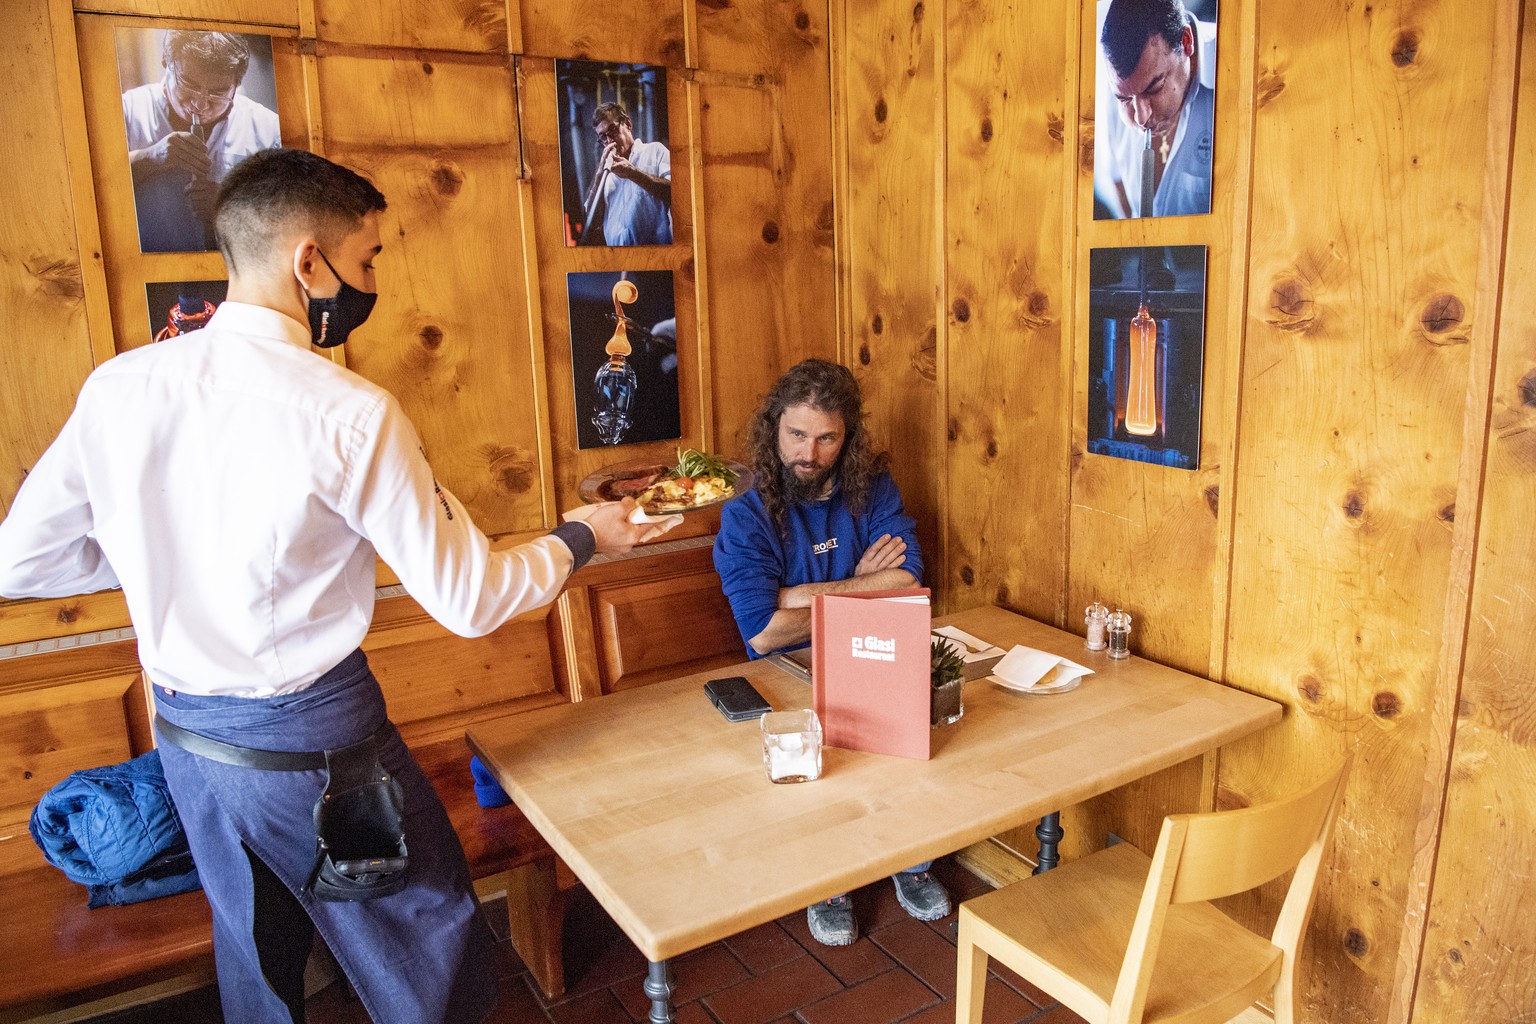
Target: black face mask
pixel 331 320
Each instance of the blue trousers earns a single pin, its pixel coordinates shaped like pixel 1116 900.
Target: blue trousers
pixel 420 956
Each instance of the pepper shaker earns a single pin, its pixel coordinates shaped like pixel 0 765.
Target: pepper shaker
pixel 1119 634
pixel 1097 621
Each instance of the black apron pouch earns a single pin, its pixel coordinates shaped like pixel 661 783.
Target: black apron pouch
pixel 359 828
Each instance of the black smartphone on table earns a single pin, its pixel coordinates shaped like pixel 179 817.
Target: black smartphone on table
pixel 737 699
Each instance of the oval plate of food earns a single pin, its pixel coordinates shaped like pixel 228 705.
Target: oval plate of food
pixel 697 480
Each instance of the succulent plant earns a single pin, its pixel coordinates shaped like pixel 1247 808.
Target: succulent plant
pixel 946 663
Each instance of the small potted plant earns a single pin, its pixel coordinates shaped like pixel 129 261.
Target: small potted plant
pixel 946 669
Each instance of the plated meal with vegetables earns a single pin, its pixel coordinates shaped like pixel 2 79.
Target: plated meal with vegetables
pixel 697 480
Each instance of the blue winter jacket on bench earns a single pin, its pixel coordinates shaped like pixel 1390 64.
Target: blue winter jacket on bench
pixel 116 830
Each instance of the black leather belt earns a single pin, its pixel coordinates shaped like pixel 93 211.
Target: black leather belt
pixel 248 757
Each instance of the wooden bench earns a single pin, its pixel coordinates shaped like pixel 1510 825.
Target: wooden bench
pixel 58 953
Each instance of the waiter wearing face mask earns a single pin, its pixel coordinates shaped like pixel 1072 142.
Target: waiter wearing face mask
pixel 239 487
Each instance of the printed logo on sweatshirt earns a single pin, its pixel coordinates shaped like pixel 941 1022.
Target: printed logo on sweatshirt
pixel 824 546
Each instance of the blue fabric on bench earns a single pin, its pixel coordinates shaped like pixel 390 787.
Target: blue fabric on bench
pixel 115 830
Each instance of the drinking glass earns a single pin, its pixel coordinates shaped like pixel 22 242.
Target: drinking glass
pixel 792 746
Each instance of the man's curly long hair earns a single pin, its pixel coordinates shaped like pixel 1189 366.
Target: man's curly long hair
pixel 829 388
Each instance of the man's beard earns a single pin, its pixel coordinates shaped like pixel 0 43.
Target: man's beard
pixel 798 489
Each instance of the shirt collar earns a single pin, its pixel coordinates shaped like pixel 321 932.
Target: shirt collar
pixel 261 321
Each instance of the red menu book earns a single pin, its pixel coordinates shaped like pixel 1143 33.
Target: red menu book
pixel 869 670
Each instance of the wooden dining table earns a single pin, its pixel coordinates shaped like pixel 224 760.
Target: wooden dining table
pixel 663 810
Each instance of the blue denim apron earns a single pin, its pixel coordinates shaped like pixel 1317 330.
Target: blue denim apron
pixel 419 956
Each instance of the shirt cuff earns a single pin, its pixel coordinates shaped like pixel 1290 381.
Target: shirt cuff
pixel 578 536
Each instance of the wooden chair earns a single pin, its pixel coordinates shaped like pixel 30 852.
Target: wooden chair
pixel 1121 939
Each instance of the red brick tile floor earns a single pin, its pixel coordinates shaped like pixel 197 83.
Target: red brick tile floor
pixel 899 970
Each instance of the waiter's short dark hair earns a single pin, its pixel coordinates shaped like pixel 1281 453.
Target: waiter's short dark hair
pixel 272 192
pixel 1130 25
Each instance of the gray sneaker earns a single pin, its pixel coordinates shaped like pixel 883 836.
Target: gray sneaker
pixel 831 921
pixel 921 895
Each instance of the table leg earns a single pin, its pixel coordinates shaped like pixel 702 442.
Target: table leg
pixel 658 988
pixel 1049 833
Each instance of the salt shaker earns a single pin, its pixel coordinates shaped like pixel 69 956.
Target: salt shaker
pixel 1119 634
pixel 1097 621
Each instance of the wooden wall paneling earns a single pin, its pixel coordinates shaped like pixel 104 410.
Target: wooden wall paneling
pixel 648 31
pixel 1479 938
pixel 437 683
pixel 661 628
pixel 541 150
pixel 1364 267
pixel 46 352
pixel 473 26
pixel 70 714
pixel 583 677
pixel 767 197
pixel 276 13
pixel 51 618
pixel 889 111
pixel 128 269
pixel 1005 276
pixel 449 337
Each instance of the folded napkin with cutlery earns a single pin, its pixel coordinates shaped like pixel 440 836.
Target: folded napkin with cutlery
pixel 659 524
pixel 972 649
pixel 1024 668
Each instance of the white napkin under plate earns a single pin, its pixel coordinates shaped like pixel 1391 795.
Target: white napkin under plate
pixel 659 524
pixel 972 648
pixel 1024 668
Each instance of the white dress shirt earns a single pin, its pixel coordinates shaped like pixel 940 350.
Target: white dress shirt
pixel 635 217
pixel 239 485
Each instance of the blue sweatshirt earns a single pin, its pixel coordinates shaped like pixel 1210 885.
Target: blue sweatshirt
pixel 825 541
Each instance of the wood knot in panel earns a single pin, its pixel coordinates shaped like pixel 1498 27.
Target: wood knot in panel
pixel 1443 320
pixel 1270 85
pixel 967 575
pixel 1310 688
pixel 58 277
pixel 512 470
pixel 802 20
pixel 1405 48
pixel 1354 506
pixel 447 178
pixel 1035 313
pixel 1356 944
pixel 771 232
pixel 1527 389
pixel 687 268
pixel 1004 595
pixel 986 129
pixel 1056 127
pixel 877 324
pixel 925 358
pixel 68 613
pixel 826 217
pixel 1291 307
pixel 1453 955
pixel 918 10
pixel 1085 145
pixel 431 336
pixel 1447 513
pixel 991 448
pixel 1386 705
pixel 864 354
pixel 427 68
pixel 881 111
pixel 952 430
pixel 961 310
pixel 1212 496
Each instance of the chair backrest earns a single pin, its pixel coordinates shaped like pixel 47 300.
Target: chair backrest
pixel 1208 856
